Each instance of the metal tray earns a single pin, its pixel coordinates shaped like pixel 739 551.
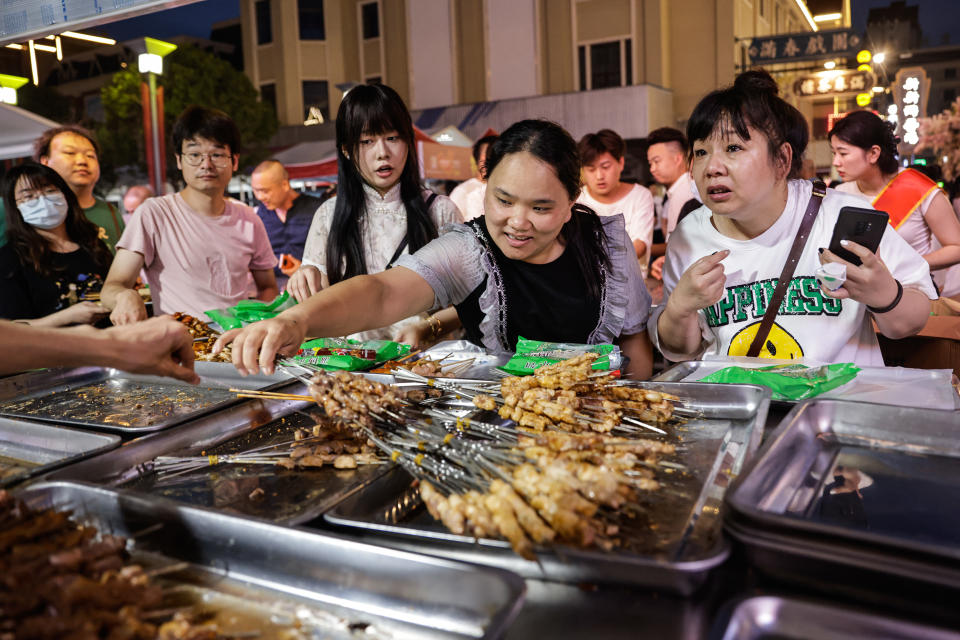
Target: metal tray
pixel 905 464
pixel 921 388
pixel 291 496
pixel 28 449
pixel 303 575
pixel 775 618
pixel 686 545
pixel 114 400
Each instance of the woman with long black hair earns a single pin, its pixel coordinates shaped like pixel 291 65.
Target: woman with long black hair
pixel 381 209
pixel 53 256
pixel 536 265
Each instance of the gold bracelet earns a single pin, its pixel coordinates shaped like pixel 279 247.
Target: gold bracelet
pixel 435 327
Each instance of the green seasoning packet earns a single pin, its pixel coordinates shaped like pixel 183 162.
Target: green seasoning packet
pixel 533 354
pixel 789 381
pixel 349 355
pixel 250 311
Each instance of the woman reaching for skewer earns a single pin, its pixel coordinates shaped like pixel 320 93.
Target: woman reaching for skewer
pixel 536 265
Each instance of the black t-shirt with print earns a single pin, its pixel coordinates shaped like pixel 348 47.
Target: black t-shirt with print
pixel 25 294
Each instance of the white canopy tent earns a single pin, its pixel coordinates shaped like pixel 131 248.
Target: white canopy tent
pixel 18 129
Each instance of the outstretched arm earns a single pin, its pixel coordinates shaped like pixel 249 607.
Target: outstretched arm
pixel 357 304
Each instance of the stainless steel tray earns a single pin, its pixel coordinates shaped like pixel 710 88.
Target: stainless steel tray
pixel 678 557
pixel 399 595
pixel 28 448
pixel 925 389
pixel 770 617
pixel 114 400
pixel 905 465
pixel 290 496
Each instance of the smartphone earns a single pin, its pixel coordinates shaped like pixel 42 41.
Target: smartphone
pixel 860 225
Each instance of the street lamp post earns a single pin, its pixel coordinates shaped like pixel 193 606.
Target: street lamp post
pixel 8 88
pixel 150 61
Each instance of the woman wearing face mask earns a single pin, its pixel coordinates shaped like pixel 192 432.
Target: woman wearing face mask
pixel 536 265
pixel 865 155
pixel 725 259
pixel 53 255
pixel 381 210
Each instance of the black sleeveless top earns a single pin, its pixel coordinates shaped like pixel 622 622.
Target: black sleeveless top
pixel 548 302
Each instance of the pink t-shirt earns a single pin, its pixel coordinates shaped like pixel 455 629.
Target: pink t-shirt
pixel 195 263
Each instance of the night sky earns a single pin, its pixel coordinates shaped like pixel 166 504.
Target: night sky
pixel 193 19
pixel 938 19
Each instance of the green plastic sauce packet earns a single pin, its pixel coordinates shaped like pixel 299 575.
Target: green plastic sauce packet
pixel 533 354
pixel 250 311
pixel 344 354
pixel 789 381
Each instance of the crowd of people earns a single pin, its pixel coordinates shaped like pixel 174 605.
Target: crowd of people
pixel 546 241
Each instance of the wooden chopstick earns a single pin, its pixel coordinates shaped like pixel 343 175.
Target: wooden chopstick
pixel 250 393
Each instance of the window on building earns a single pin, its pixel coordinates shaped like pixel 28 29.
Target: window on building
pixel 370 17
pixel 264 25
pixel 605 64
pixel 310 15
pixel 949 95
pixel 950 73
pixel 268 95
pixel 763 7
pixel 316 94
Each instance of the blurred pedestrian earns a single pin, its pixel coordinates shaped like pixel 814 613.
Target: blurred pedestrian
pixel 602 158
pixel 286 215
pixel 667 153
pixel 133 198
pixel 470 205
pixel 73 152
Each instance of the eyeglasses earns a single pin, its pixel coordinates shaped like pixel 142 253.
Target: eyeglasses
pixel 195 159
pixel 33 194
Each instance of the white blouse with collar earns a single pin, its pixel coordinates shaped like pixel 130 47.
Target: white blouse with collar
pixel 383 229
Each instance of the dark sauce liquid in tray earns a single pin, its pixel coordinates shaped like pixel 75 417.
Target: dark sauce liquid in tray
pixel 289 496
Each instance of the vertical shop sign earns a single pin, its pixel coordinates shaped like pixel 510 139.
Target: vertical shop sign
pixel 911 90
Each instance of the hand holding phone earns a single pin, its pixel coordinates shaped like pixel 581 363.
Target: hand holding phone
pixel 860 225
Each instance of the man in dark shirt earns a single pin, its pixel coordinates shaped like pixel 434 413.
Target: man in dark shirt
pixel 286 215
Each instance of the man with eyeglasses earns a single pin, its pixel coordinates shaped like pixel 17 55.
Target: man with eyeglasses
pixel 199 249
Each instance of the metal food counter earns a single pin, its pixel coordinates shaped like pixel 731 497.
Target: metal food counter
pixel 760 579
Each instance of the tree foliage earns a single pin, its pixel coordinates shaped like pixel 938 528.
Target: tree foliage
pixel 191 76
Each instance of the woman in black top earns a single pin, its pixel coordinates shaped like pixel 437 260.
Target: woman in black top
pixel 536 265
pixel 53 255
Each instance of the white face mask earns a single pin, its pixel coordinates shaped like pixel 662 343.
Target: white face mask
pixel 44 212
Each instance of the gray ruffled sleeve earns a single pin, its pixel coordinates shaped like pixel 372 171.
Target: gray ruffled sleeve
pixel 626 302
pixel 450 264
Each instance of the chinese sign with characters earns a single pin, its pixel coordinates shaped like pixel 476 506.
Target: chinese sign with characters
pixel 834 82
pixel 911 89
pixel 22 20
pixel 803 46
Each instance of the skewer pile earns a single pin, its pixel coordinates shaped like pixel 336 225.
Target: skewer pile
pixel 558 473
pixel 426 366
pixel 60 579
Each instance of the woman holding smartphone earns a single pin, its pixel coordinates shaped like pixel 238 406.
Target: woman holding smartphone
pixel 724 259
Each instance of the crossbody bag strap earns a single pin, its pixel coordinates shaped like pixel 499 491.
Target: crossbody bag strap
pixel 406 240
pixel 773 306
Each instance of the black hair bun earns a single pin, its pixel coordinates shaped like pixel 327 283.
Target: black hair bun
pixel 757 81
